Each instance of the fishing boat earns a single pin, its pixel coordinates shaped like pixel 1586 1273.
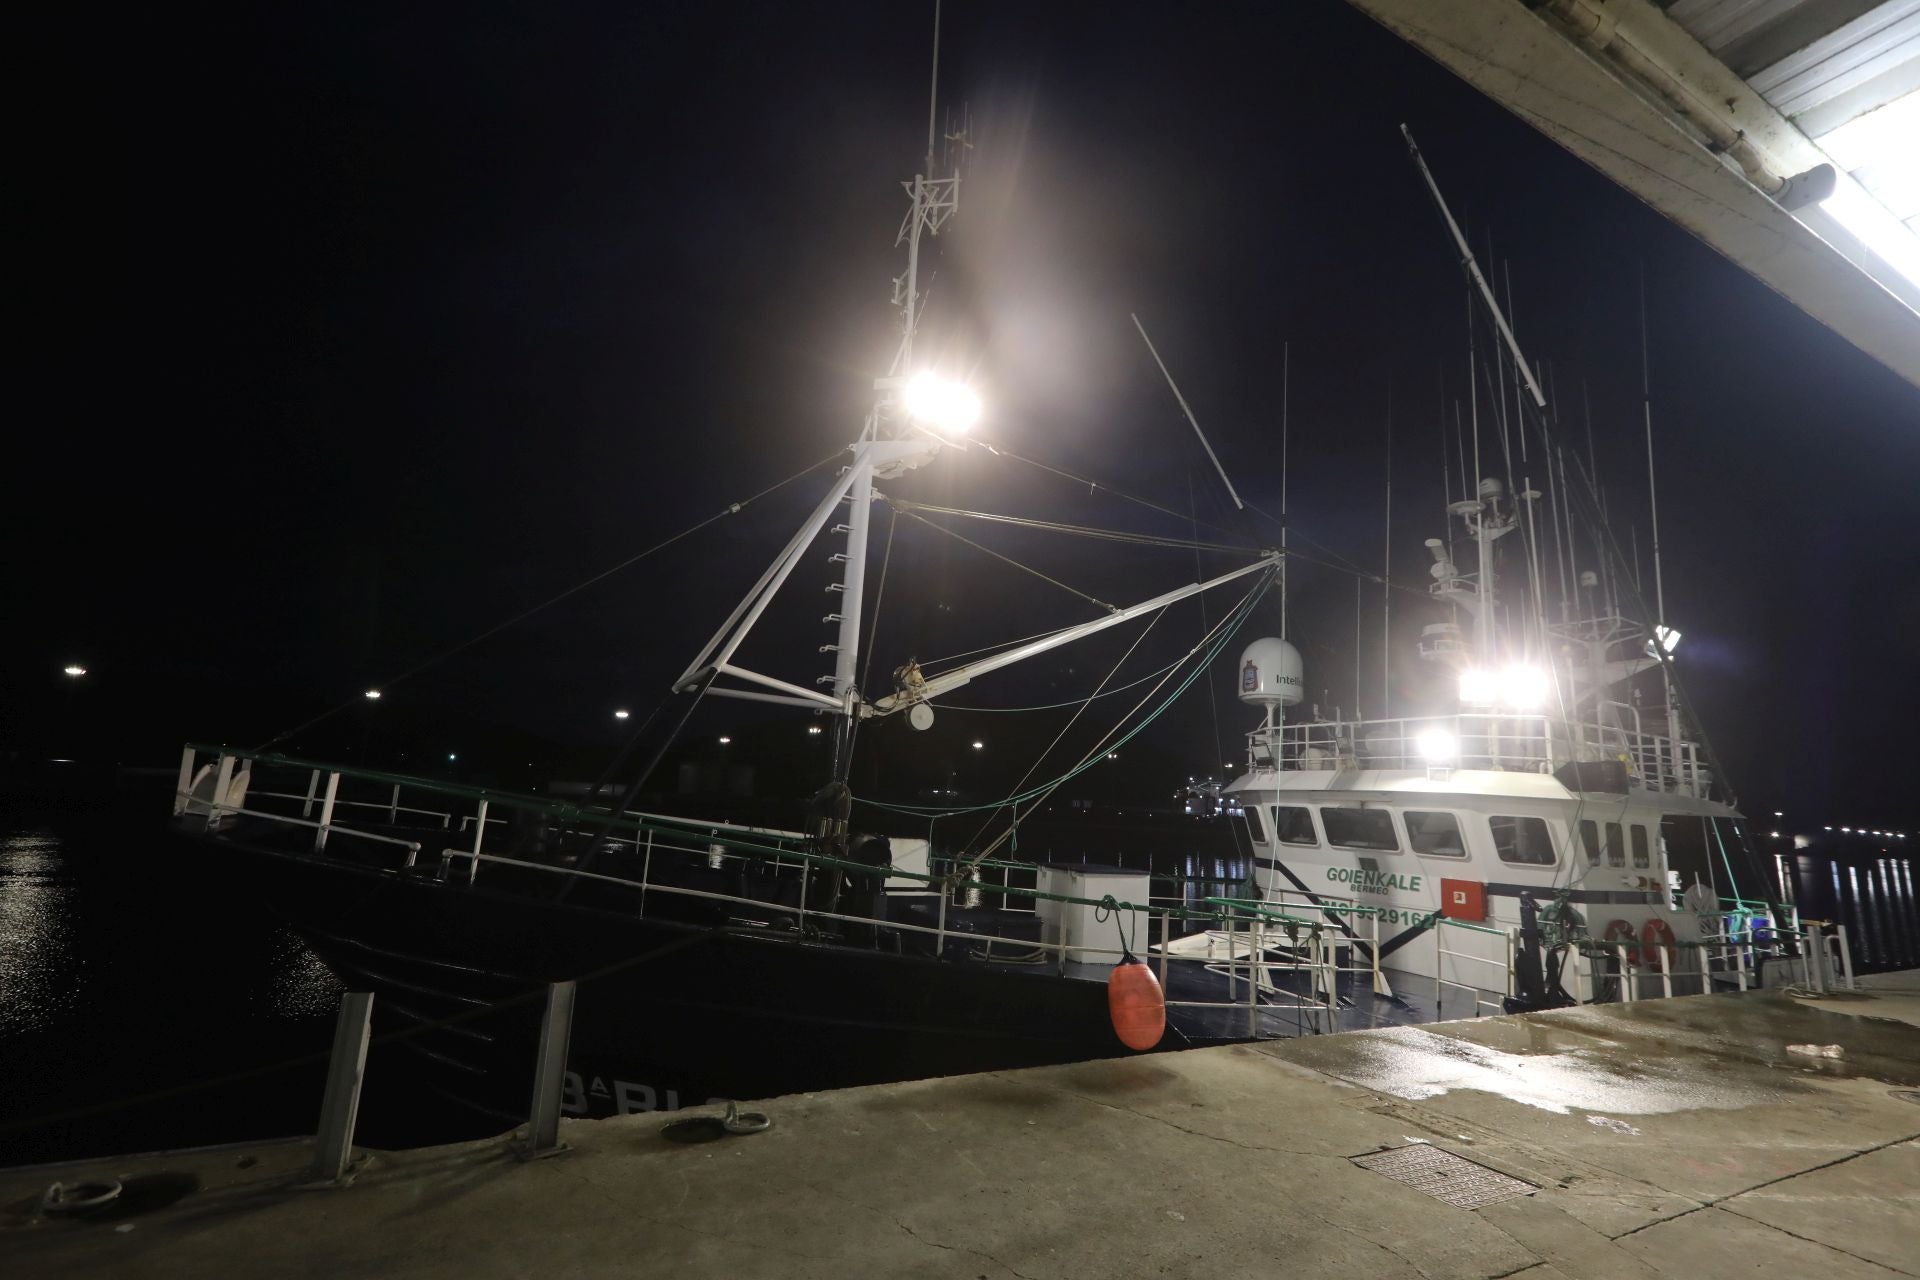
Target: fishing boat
pixel 1553 837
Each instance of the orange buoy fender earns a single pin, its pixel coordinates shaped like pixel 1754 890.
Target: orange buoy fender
pixel 1655 934
pixel 1136 1004
pixel 1622 931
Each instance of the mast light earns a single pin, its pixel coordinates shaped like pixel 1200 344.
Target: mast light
pixel 940 402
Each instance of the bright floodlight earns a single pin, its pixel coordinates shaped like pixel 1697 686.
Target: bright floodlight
pixel 75 669
pixel 373 695
pixel 1478 687
pixel 1668 638
pixel 945 405
pixel 1524 688
pixel 1437 746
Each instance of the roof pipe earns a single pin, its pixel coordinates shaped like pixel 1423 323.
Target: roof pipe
pixel 1594 26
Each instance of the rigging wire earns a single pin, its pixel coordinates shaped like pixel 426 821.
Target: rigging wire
pixel 1107 743
pixel 1071 721
pixel 1224 630
pixel 732 508
pixel 1024 568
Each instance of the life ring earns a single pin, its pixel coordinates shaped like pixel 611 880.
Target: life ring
pixel 1622 931
pixel 1656 934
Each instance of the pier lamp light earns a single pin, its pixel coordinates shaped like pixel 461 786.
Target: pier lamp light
pixel 622 714
pixel 941 403
pixel 724 739
pixel 813 730
pixel 373 695
pixel 75 670
pixel 1523 688
pixel 1437 746
pixel 979 745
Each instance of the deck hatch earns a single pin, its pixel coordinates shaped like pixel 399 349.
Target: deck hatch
pixel 1445 1176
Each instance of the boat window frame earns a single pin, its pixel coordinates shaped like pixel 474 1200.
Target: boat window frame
pixel 1640 850
pixel 1314 843
pixel 1590 840
pixel 1458 830
pixel 1256 825
pixel 1553 853
pixel 1393 829
pixel 1616 845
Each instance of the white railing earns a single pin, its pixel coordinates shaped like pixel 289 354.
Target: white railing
pixel 1526 743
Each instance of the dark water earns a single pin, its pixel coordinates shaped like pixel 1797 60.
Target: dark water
pixel 130 985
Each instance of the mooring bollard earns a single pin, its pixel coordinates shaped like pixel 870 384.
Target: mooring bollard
pixel 340 1106
pixel 549 1074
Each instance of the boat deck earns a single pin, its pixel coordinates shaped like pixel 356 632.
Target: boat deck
pixel 1664 1138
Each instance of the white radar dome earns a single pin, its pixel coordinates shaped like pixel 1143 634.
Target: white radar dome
pixel 1270 674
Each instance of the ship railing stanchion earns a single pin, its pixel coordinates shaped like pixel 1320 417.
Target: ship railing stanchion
pixel 1627 975
pixel 1166 938
pixel 326 812
pixel 333 1164
pixel 1815 949
pixel 313 789
pixel 393 805
pixel 479 834
pixel 940 924
pixel 549 1074
pixel 222 784
pixel 184 791
pixel 1846 953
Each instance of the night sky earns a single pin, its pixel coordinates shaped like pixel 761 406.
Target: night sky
pixel 351 331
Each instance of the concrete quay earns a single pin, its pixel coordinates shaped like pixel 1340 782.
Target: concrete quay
pixel 1665 1138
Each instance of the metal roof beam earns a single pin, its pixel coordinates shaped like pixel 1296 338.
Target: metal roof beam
pixel 1531 67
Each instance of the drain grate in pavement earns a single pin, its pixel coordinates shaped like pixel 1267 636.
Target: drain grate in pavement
pixel 1445 1176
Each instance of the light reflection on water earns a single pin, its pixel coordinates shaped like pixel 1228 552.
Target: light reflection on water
pixel 38 977
pixel 300 984
pixel 1875 902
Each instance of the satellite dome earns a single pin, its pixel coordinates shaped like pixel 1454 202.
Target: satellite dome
pixel 1270 674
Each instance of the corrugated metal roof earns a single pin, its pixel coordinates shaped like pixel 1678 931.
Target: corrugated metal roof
pixel 1846 72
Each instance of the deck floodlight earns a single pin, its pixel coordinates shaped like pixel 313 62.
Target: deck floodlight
pixel 1667 637
pixel 1478 688
pixel 941 403
pixel 1437 746
pixel 1523 688
pixel 75 669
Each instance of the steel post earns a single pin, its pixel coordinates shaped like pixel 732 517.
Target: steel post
pixel 181 792
pixel 340 1105
pixel 326 812
pixel 549 1073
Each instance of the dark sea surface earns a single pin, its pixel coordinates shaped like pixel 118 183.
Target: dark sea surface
pixel 133 987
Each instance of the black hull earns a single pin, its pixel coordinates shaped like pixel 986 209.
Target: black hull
pixel 669 1012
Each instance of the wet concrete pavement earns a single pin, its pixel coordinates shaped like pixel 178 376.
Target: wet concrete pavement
pixel 1668 1138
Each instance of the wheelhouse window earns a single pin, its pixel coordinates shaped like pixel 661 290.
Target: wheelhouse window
pixel 1356 828
pixel 1255 830
pixel 1525 841
pixel 1590 840
pixel 1640 858
pixel 1616 846
pixel 1435 834
pixel 1293 824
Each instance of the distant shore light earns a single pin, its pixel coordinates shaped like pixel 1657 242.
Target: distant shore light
pixel 373 694
pixel 75 669
pixel 622 714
